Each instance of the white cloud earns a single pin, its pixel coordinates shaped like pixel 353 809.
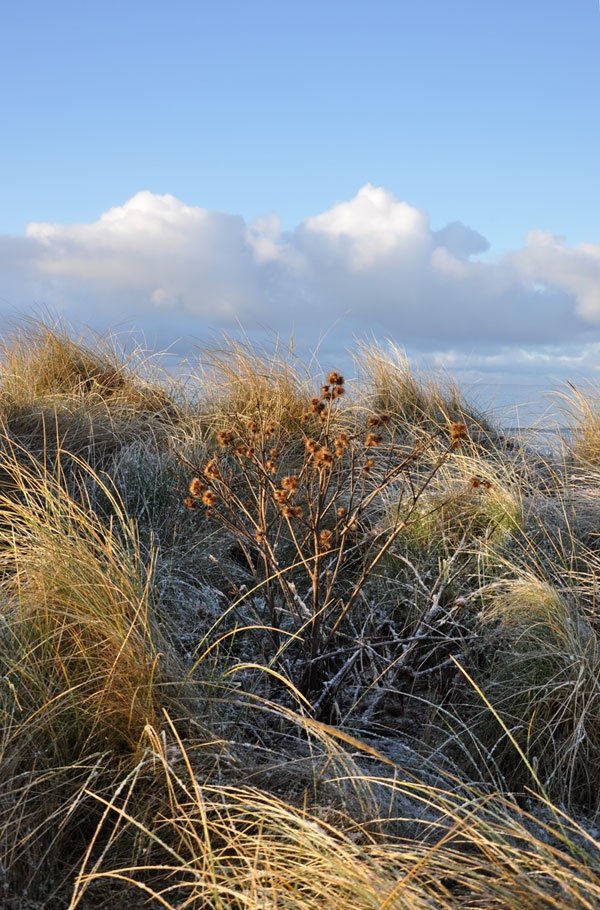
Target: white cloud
pixel 576 270
pixel 373 261
pixel 368 231
pixel 154 251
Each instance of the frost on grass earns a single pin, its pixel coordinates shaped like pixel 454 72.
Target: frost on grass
pixel 270 638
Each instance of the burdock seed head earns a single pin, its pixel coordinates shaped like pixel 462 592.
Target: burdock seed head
pixel 323 458
pixel 196 487
pixel 325 540
pixel 211 469
pixel 224 438
pixel 377 420
pixel 458 432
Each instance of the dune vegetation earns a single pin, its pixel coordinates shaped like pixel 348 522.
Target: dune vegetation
pixel 271 639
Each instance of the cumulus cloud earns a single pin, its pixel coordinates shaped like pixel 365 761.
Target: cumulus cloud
pixel 152 253
pixel 576 270
pixel 371 264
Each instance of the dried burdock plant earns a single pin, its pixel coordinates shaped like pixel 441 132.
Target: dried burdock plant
pixel 303 517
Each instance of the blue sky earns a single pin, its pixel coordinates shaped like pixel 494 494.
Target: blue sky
pixel 482 111
pixel 474 112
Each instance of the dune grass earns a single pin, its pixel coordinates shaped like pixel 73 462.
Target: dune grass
pixel 416 403
pixel 274 640
pixel 238 847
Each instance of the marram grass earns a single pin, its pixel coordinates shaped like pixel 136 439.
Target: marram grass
pixel 274 639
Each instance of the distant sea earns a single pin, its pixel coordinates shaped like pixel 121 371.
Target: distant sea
pixel 534 411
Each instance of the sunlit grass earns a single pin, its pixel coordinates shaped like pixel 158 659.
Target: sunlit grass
pixel 240 847
pixel 362 672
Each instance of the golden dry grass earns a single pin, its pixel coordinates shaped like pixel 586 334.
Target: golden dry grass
pixel 76 594
pixel 240 847
pixel 152 740
pixel 416 403
pixel 238 381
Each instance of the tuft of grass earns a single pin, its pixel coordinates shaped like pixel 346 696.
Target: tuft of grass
pixel 80 667
pixel 83 661
pixel 582 406
pixel 221 846
pixel 471 503
pixel 43 362
pixel 543 680
pixel 237 382
pixel 415 404
pixel 60 394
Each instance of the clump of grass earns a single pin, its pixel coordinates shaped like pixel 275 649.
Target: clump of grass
pixel 471 503
pixel 43 362
pixel 80 663
pixel 237 381
pixel 59 394
pixel 224 846
pixel 416 404
pixel 84 666
pixel 543 680
pixel 236 384
pixel 582 406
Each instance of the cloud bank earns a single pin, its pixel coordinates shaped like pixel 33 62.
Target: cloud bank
pixel 370 264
